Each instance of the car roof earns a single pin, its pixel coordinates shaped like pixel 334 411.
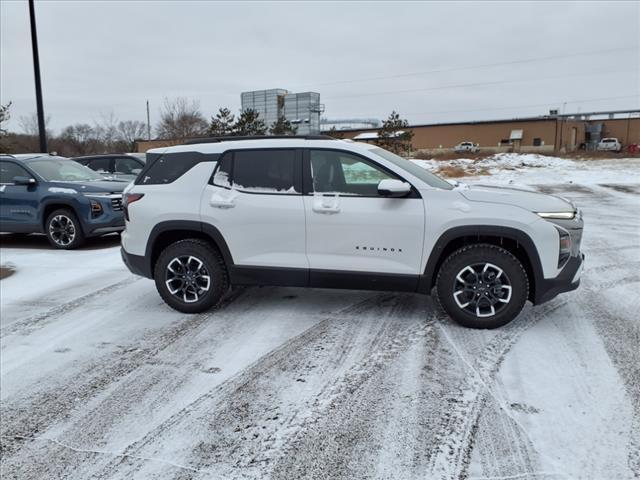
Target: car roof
pixel 108 155
pixel 28 157
pixel 222 144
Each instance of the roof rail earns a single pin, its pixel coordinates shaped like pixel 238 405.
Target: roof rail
pixel 255 137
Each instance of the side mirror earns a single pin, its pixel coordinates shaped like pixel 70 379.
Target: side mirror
pixel 24 180
pixel 393 188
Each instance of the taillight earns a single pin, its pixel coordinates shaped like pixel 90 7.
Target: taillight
pixel 128 199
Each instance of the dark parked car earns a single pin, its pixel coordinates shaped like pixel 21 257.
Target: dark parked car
pixel 124 166
pixel 58 197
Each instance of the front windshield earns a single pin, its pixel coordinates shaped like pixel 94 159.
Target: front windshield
pixel 62 170
pixel 424 175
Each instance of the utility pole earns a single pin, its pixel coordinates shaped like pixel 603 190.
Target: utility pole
pixel 36 70
pixel 148 123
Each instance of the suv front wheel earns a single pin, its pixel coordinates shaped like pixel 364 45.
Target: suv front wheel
pixel 63 229
pixel 482 286
pixel 190 276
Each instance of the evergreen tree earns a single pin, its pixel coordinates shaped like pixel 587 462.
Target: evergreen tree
pixel 283 127
pixel 333 132
pixel 222 123
pixel 249 123
pixel 395 135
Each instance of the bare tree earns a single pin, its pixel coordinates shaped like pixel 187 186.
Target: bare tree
pixel 80 139
pixel 131 130
pixel 106 131
pixel 5 115
pixel 29 125
pixel 181 118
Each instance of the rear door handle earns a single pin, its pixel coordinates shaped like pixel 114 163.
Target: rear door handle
pixel 218 202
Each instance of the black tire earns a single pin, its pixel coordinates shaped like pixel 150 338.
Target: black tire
pixel 63 229
pixel 468 290
pixel 188 277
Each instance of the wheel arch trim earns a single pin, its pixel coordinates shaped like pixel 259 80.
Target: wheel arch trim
pixel 201 228
pixel 440 247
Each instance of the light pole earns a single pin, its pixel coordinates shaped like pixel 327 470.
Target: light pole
pixel 36 72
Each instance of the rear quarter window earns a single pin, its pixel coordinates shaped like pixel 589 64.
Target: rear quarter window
pixel 168 167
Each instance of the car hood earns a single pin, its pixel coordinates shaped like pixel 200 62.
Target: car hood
pixel 527 199
pixel 103 186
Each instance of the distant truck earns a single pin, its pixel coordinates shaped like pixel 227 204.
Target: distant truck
pixel 467 147
pixel 609 144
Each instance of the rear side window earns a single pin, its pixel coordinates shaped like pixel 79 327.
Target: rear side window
pixel 127 166
pixel 100 165
pixel 259 171
pixel 169 167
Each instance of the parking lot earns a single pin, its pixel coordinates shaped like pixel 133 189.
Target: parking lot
pixel 100 379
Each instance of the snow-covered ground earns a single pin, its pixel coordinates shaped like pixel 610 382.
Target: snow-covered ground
pixel 99 379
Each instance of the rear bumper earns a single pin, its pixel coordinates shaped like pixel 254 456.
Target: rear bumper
pixel 137 264
pixel 569 279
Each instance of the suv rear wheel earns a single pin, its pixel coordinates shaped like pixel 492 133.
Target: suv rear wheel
pixel 190 276
pixel 63 229
pixel 482 286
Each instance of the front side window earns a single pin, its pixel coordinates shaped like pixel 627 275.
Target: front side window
pixel 10 170
pixel 62 170
pixel 259 171
pixel 344 173
pixel 222 175
pixel 411 167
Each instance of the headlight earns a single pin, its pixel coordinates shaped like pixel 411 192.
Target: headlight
pixel 96 208
pixel 558 215
pixel 565 246
pixel 97 195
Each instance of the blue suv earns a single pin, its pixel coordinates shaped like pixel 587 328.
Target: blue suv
pixel 66 201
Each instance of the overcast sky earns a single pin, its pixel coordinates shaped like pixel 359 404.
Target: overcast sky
pixel 431 61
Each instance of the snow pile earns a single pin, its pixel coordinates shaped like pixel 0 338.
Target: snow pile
pixel 534 168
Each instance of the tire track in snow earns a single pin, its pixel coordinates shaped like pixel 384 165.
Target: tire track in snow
pixel 243 424
pixel 27 325
pixel 460 426
pixel 31 415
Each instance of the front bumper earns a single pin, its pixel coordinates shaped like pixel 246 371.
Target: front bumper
pixel 568 280
pixel 110 220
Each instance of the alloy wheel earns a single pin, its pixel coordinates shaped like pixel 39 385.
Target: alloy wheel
pixel 482 289
pixel 62 230
pixel 187 278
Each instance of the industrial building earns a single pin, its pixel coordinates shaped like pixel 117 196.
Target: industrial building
pixel 301 109
pixel 545 134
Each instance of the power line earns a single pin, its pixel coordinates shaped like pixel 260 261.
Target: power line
pixel 513 107
pixel 588 100
pixel 471 67
pixel 476 84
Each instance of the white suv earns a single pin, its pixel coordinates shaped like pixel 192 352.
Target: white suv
pixel 466 147
pixel 319 212
pixel 609 144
